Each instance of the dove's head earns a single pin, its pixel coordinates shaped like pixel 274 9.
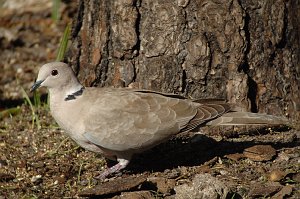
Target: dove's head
pixel 55 75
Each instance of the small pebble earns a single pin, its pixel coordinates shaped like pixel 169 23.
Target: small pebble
pixel 36 179
pixel 277 175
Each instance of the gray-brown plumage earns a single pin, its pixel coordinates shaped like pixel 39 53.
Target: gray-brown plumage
pixel 121 122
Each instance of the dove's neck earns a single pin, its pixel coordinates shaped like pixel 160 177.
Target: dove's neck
pixel 73 90
pixel 62 97
pixel 61 93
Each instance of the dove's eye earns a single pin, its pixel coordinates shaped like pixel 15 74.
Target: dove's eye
pixel 54 72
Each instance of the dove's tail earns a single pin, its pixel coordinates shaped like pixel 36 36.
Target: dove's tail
pixel 246 118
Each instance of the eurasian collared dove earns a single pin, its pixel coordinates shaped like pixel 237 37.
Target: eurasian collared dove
pixel 120 122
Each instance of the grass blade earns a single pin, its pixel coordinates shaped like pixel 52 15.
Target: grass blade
pixel 35 118
pixel 55 10
pixel 63 43
pixel 10 111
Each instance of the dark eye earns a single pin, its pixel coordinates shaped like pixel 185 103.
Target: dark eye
pixel 54 72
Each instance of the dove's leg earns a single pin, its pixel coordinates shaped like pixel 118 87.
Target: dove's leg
pixel 122 163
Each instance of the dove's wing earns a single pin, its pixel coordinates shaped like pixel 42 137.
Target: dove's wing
pixel 121 120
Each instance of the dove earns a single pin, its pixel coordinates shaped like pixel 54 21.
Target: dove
pixel 121 122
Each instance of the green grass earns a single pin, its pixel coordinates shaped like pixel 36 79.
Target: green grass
pixel 9 112
pixel 55 10
pixel 36 104
pixel 63 46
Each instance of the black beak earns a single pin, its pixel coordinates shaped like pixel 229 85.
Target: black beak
pixel 36 85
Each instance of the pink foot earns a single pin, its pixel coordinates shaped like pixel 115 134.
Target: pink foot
pixel 122 163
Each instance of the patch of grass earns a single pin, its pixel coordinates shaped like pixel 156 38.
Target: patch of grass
pixel 55 10
pixel 63 43
pixel 37 103
pixel 31 197
pixel 9 112
pixel 37 100
pixel 79 172
pixel 55 151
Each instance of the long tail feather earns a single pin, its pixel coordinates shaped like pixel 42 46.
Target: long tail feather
pixel 246 118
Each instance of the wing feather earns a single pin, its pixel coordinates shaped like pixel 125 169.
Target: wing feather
pixel 207 112
pixel 123 120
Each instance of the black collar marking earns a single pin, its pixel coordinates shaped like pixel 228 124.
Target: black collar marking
pixel 75 94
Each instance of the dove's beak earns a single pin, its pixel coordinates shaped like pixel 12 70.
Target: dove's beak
pixel 36 85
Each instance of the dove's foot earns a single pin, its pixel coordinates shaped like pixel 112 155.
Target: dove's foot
pixel 122 163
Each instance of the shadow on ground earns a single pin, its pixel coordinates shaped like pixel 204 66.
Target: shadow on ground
pixel 194 151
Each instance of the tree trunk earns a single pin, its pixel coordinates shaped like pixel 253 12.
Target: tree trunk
pixel 247 52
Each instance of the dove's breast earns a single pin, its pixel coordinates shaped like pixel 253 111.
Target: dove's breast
pixel 70 115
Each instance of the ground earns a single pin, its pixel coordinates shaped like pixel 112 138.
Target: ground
pixel 38 161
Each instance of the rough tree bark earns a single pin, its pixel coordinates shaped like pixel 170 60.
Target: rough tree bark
pixel 247 52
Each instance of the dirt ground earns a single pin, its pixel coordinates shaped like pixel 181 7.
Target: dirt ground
pixel 250 162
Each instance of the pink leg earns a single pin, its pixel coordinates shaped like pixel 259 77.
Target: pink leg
pixel 122 163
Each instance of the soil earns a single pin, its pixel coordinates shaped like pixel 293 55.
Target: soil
pixel 41 162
